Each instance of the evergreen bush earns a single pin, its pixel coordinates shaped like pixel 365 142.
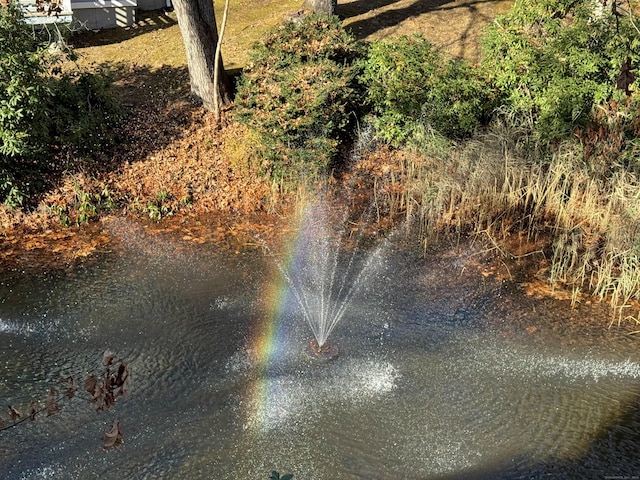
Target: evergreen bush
pixel 43 108
pixel 555 60
pixel 82 110
pixel 23 93
pixel 299 93
pixel 410 84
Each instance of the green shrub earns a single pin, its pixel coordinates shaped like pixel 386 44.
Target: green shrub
pixel 554 60
pixel 276 476
pixel 410 83
pixel 43 108
pixel 82 110
pixel 299 93
pixel 24 88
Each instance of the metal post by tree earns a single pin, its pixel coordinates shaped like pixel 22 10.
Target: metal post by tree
pixel 198 27
pixel 218 62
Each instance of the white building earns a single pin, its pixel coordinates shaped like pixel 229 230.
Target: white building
pixel 90 14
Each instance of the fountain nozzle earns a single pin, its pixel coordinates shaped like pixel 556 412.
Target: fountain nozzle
pixel 322 352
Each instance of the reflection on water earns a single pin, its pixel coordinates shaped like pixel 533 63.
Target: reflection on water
pixel 439 376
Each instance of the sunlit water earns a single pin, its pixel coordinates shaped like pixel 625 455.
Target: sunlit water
pixel 440 375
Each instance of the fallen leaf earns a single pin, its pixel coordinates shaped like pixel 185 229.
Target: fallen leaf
pixel 108 397
pixel 33 410
pixel 13 413
pixel 51 402
pixel 107 357
pixel 113 438
pixel 90 384
pixel 72 388
pixel 626 77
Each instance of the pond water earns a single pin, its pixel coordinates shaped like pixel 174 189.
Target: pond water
pixel 441 374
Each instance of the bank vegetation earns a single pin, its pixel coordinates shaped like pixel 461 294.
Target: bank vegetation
pixel 535 144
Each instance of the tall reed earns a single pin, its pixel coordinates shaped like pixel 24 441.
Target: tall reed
pixel 588 224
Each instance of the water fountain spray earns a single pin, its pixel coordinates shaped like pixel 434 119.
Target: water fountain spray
pixel 323 274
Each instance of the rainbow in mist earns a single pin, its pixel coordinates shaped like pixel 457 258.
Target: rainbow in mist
pixel 317 281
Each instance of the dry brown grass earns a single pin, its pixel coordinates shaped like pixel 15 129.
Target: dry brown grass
pixel 580 230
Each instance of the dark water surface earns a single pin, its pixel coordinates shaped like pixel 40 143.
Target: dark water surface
pixel 442 374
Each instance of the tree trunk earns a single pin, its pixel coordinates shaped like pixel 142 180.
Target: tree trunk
pixel 321 6
pixel 197 22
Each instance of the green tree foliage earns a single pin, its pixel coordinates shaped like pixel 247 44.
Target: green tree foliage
pixel 410 83
pixel 554 60
pixel 23 93
pixel 22 73
pixel 299 93
pixel 43 107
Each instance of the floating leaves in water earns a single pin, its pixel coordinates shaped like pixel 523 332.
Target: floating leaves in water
pixel 112 385
pixel 103 392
